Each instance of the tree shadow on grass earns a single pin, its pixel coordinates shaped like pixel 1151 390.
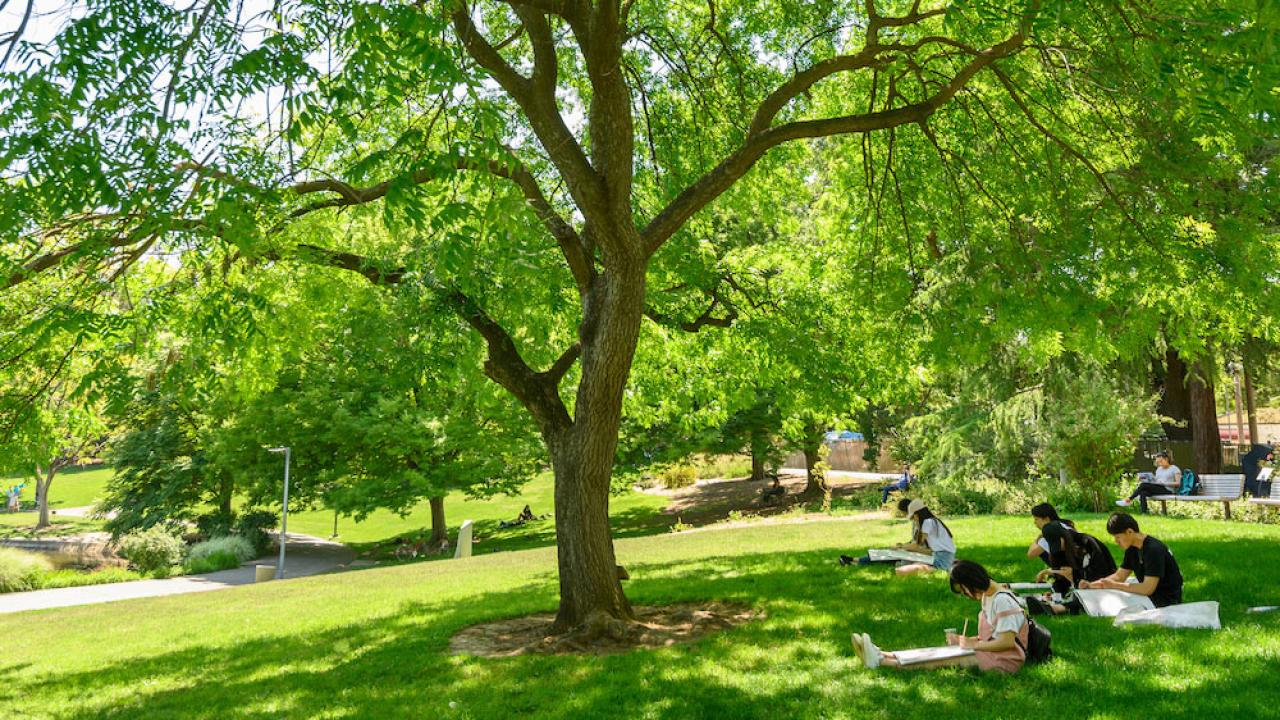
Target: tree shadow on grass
pixel 794 663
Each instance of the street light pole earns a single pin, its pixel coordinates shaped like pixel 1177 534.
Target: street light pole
pixel 284 511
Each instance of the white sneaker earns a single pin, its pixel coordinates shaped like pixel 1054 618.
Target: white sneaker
pixel 1124 503
pixel 871 654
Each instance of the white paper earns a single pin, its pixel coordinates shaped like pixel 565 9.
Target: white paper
pixel 920 655
pixel 1202 615
pixel 883 554
pixel 1030 587
pixel 1109 603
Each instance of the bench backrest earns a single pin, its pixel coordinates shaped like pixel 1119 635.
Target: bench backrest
pixel 1230 487
pixel 1275 490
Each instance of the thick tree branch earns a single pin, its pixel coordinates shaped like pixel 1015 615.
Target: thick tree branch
pixel 724 175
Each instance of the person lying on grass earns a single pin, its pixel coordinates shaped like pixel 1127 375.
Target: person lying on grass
pixel 1074 558
pixel 1145 557
pixel 1002 628
pixel 930 535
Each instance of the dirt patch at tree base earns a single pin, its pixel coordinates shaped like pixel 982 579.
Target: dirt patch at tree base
pixel 655 627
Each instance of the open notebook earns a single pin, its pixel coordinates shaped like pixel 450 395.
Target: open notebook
pixel 1109 603
pixel 891 554
pixel 921 655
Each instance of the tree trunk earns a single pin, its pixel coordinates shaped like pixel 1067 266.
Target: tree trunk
pixel 815 478
pixel 759 453
pixel 1206 440
pixel 1175 397
pixel 757 465
pixel 439 529
pixel 592 603
pixel 1250 400
pixel 225 492
pixel 43 481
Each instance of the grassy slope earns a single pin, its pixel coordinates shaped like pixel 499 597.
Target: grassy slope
pixel 76 487
pixel 633 513
pixel 374 643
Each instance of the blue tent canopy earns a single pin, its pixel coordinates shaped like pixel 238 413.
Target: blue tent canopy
pixel 836 435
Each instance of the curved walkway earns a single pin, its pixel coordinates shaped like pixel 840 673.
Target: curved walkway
pixel 304 555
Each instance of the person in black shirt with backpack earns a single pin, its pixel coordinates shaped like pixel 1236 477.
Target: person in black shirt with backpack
pixel 1074 557
pixel 1146 558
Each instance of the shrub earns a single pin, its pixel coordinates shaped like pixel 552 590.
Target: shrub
pixel 722 466
pixel 154 550
pixel 214 524
pixel 678 476
pixel 221 553
pixel 253 526
pixel 20 570
pixel 983 496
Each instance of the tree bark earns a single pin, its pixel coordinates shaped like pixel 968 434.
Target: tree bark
pixel 592 603
pixel 1206 440
pixel 439 529
pixel 1175 397
pixel 43 481
pixel 1250 400
pixel 815 479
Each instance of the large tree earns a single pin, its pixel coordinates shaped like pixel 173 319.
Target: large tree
pixel 616 122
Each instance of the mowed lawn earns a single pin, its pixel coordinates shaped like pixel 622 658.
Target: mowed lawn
pixel 76 487
pixel 633 513
pixel 373 643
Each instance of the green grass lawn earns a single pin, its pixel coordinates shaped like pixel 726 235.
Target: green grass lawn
pixel 373 644
pixel 74 487
pixel 633 514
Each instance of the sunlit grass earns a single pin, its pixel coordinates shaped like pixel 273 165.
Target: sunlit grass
pixel 373 644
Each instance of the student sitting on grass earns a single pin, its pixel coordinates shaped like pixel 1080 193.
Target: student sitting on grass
pixel 1074 557
pixel 930 535
pixel 903 505
pixel 1002 628
pixel 1042 515
pixel 1146 558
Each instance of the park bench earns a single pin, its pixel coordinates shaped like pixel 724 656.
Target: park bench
pixel 1273 500
pixel 1225 489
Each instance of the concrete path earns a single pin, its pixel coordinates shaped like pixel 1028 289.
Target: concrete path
pixel 304 555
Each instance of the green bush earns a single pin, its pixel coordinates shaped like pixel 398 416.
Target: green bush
pixel 154 550
pixel 221 553
pixel 253 526
pixel 678 476
pixel 21 570
pixel 983 496
pixel 722 466
pixel 214 524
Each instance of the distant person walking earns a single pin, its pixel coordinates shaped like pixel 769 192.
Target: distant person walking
pixel 1167 479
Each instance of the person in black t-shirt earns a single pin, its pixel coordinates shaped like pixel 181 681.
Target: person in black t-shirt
pixel 1146 558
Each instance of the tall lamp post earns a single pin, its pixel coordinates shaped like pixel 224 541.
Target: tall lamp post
pixel 284 511
pixel 1235 368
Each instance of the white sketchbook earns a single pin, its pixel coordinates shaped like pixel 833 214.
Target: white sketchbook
pixel 1030 587
pixel 923 655
pixel 1109 603
pixel 885 554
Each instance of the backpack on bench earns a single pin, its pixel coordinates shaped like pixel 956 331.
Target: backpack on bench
pixel 1190 483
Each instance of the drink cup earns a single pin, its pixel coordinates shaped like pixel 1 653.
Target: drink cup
pixel 951 636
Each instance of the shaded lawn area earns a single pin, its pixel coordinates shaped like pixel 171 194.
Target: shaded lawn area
pixel 373 643
pixel 633 513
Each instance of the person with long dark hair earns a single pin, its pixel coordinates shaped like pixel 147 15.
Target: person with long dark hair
pixel 1042 515
pixel 1002 629
pixel 930 535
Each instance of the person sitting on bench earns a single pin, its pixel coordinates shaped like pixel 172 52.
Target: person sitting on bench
pixel 1145 557
pixel 902 484
pixel 1167 479
pixel 1002 628
pixel 931 536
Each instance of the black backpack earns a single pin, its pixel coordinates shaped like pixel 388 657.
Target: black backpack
pixel 1039 647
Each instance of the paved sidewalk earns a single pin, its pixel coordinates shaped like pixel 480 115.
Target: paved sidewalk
pixel 304 555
